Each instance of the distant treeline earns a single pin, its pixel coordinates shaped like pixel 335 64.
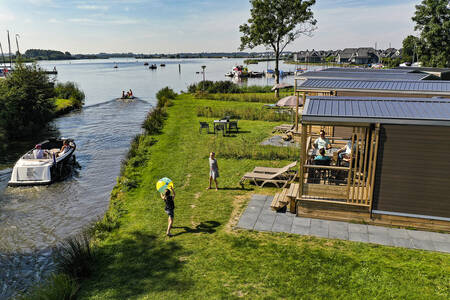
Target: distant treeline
pixel 41 54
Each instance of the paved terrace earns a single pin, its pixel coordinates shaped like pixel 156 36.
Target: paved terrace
pixel 259 216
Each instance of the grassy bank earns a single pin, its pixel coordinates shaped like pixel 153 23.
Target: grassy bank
pixel 63 106
pixel 207 258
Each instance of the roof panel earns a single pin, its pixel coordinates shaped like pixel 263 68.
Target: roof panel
pixel 432 86
pixel 325 74
pixel 427 111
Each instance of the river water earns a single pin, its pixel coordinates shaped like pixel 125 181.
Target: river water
pixel 34 219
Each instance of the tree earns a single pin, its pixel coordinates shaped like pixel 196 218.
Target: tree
pixel 409 51
pixel 275 24
pixel 25 100
pixel 432 19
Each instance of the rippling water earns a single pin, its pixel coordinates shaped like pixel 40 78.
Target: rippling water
pixel 33 219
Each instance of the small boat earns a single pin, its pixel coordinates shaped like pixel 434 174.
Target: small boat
pixel 54 166
pixel 115 66
pixel 127 98
pixel 256 74
pixel 153 67
pixel 146 64
pixel 229 74
pixel 162 65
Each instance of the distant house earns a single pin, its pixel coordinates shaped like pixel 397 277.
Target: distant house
pixel 310 56
pixel 365 56
pixel 345 55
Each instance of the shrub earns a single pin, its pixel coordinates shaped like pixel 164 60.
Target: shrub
pixel 70 90
pixel 214 87
pixel 166 93
pixel 75 257
pixel 58 286
pixel 243 97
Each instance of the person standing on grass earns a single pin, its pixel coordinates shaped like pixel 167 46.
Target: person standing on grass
pixel 213 170
pixel 170 207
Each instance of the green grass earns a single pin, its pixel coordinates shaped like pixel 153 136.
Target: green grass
pixel 61 105
pixel 207 258
pixel 247 97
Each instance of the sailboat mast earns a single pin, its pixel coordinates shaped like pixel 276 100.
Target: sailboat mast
pixel 9 48
pixel 3 55
pixel 17 43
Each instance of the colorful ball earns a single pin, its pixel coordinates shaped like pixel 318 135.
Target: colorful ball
pixel 163 184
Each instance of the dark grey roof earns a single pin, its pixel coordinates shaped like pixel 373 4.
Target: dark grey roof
pixel 424 69
pixel 365 75
pixel 368 70
pixel 413 111
pixel 430 87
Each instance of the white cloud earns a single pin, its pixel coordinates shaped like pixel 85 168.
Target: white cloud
pixel 54 21
pixel 92 7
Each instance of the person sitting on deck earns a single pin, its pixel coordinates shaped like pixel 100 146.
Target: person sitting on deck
pixel 38 153
pixel 345 153
pixel 322 141
pixel 322 157
pixel 65 148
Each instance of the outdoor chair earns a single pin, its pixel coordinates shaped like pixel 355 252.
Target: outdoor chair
pixel 219 127
pixel 282 177
pixel 316 175
pixel 269 170
pixel 233 125
pixel 203 125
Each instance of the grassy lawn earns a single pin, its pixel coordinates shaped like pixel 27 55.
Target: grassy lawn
pixel 207 258
pixel 62 105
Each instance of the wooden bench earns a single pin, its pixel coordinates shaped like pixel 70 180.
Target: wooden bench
pixel 280 200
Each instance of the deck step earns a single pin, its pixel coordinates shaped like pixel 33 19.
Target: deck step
pixel 280 200
pixel 293 190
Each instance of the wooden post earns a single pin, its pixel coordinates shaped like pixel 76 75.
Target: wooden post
pixel 302 161
pixel 296 106
pixel 349 177
pixel 377 133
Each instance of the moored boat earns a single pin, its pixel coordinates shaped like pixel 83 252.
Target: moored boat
pixel 153 67
pixel 52 166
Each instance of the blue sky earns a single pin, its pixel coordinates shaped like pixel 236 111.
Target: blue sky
pixel 168 26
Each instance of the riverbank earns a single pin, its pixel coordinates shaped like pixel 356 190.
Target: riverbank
pixel 207 258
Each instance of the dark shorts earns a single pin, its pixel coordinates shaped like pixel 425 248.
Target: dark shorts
pixel 170 212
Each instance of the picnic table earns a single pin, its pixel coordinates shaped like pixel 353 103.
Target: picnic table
pixel 224 122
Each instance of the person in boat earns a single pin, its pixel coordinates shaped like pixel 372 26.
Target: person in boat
pixel 130 93
pixel 123 95
pixel 38 153
pixel 65 148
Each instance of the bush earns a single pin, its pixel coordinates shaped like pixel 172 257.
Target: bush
pixel 214 87
pixel 243 97
pixel 75 257
pixel 70 90
pixel 58 287
pixel 26 100
pixel 166 93
pixel 245 113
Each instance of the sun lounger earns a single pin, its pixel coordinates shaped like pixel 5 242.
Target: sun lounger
pixel 283 128
pixel 282 177
pixel 268 170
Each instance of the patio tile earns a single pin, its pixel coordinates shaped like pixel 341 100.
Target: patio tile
pixel 358 237
pixel 419 235
pixel 265 223
pixel 421 244
pixel 398 233
pixel 261 198
pixel 338 230
pixel 381 239
pixel 282 223
pixel 302 230
pixel 319 231
pixel 400 242
pixel 299 221
pixel 377 229
pixel 360 228
pixel 439 237
pixel 442 246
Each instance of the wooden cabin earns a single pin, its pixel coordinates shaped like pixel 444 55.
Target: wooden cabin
pixel 393 167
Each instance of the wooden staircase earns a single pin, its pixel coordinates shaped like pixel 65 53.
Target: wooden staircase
pixel 285 197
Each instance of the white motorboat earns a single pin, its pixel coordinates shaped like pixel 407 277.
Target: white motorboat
pixel 29 170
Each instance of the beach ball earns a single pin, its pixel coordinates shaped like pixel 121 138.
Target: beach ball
pixel 163 184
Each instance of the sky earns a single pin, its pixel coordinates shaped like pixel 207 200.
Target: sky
pixel 174 26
